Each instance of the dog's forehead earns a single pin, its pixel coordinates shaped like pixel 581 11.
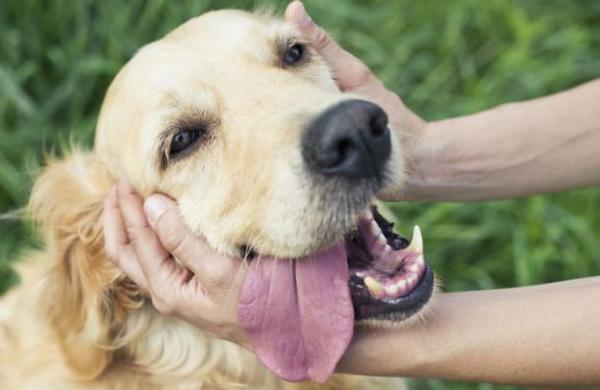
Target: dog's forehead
pixel 217 50
pixel 222 28
pixel 215 41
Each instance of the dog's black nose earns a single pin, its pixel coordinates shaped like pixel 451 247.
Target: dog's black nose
pixel 350 140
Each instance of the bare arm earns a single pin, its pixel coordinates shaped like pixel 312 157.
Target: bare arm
pixel 543 145
pixel 542 335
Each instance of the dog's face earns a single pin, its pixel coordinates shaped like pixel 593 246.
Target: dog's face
pixel 218 116
pixel 241 122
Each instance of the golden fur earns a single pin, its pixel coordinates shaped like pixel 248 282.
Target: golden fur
pixel 76 321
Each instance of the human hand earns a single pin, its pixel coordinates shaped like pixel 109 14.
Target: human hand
pixel 353 75
pixel 144 239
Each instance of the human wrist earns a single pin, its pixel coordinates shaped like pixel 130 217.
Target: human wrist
pixel 394 351
pixel 447 162
pixel 423 156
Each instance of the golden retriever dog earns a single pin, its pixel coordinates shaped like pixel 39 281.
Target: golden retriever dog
pixel 241 122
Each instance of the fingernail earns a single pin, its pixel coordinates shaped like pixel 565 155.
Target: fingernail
pixel 155 206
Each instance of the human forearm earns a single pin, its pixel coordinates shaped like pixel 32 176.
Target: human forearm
pixel 543 145
pixel 543 335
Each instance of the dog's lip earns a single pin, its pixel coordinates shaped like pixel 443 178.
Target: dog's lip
pixel 389 278
pixel 397 309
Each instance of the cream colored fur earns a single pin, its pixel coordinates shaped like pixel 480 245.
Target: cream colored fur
pixel 75 321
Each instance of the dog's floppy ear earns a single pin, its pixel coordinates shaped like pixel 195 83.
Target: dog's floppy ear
pixel 88 297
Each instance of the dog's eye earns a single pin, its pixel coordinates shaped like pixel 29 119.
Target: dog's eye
pixel 293 54
pixel 183 140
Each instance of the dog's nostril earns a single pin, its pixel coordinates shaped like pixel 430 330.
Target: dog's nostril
pixel 378 126
pixel 335 153
pixel 343 149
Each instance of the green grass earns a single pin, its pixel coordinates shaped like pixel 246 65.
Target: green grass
pixel 444 58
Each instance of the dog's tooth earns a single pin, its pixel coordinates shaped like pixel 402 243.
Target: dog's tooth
pixel 382 240
pixel 392 289
pixel 402 285
pixel 421 265
pixel 420 260
pixel 414 267
pixel 375 228
pixel 416 244
pixel 375 288
pixel 411 279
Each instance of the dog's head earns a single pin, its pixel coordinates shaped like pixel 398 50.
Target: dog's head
pixel 241 122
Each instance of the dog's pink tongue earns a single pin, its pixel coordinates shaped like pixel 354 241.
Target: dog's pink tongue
pixel 298 313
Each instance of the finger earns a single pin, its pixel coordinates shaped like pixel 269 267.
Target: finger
pixel 349 71
pixel 116 243
pixel 154 260
pixel 115 236
pixel 208 265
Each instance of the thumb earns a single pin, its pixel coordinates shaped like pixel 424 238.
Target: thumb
pixel 155 206
pixel 194 252
pixel 163 215
pixel 349 71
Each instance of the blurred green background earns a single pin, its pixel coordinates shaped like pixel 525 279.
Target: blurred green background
pixel 445 58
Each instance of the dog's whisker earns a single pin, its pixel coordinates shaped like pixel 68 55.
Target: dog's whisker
pixel 14 215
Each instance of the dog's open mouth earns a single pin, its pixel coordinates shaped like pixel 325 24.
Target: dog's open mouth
pixel 389 278
pixel 300 313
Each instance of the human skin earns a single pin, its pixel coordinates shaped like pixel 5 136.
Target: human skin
pixel 543 145
pixel 542 335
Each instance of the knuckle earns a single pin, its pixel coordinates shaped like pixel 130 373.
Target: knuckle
pixel 170 232
pixel 175 241
pixel 218 280
pixel 221 276
pixel 218 275
pixel 108 249
pixel 321 39
pixel 111 252
pixel 363 73
pixel 213 281
pixel 133 232
pixel 139 235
